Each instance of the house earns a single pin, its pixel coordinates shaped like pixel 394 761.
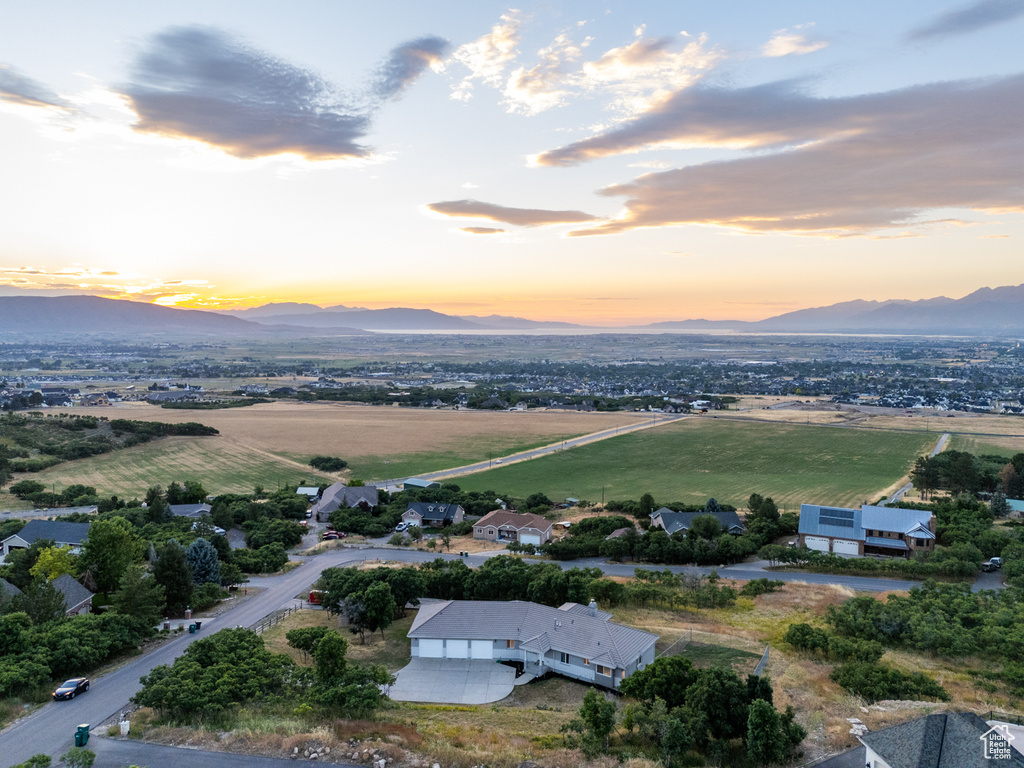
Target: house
pixel 7 592
pixel 428 515
pixel 502 525
pixel 340 495
pixel 60 533
pixel 673 522
pixel 173 397
pixel 866 531
pixel 309 491
pixel 618 533
pixel 97 398
pixel 77 599
pixel 1016 507
pixel 415 482
pixel 947 740
pixel 189 510
pixel 574 640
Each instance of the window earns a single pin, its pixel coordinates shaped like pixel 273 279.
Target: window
pixel 586 662
pixel 922 542
pixel 602 670
pixel 510 643
pixel 563 657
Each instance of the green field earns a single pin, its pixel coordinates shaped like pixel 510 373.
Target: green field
pixel 220 465
pixel 695 459
pixel 991 446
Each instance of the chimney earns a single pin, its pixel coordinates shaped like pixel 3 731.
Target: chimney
pixel 592 609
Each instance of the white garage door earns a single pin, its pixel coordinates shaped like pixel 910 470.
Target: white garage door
pixel 481 649
pixel 457 649
pixel 841 547
pixel 431 649
pixel 530 538
pixel 819 543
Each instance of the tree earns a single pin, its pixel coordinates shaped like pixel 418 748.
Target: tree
pixel 41 760
pixel 329 653
pixel 305 639
pixel 203 561
pixel 40 601
pixel 78 757
pixel 380 607
pixel 231 574
pixel 446 539
pixel 705 527
pixel 112 545
pixel 20 561
pixel 766 741
pixel 54 562
pixel 645 506
pixel 999 505
pixel 171 571
pixel 140 595
pixel 598 714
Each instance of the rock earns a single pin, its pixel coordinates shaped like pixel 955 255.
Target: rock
pixel 436 765
pixel 295 750
pixel 327 750
pixel 314 756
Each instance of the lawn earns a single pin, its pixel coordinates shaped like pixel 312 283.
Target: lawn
pixel 693 460
pixel 220 464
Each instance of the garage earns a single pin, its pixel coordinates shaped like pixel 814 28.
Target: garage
pixel 845 547
pixel 481 649
pixel 530 538
pixel 457 649
pixel 820 543
pixel 431 649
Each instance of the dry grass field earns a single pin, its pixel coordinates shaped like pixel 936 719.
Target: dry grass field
pixel 269 444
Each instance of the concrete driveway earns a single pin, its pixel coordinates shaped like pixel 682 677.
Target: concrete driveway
pixel 453 681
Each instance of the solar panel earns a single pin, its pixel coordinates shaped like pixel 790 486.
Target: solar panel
pixel 841 518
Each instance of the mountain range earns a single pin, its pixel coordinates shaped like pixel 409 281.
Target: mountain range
pixel 985 312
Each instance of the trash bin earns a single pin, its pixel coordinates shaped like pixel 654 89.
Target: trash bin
pixel 82 735
pixel 191 629
pixel 199 625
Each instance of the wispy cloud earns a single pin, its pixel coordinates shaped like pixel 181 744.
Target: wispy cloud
pixel 971 18
pixel 16 88
pixel 483 230
pixel 201 84
pixel 488 57
pixel 850 165
pixel 790 43
pixel 520 217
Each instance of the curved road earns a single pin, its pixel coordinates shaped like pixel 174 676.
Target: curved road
pixel 51 728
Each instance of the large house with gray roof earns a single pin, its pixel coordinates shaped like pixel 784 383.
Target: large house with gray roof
pixel 428 515
pixel 574 640
pixel 62 534
pixel 946 740
pixel 673 522
pixel 340 495
pixel 866 531
pixel 77 599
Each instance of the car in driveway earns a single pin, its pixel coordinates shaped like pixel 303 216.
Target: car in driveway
pixel 993 564
pixel 332 535
pixel 402 527
pixel 71 688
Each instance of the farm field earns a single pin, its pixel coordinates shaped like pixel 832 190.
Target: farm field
pixel 270 444
pixel 998 446
pixel 695 459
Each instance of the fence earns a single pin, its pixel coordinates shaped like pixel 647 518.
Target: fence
pixel 759 669
pixel 1005 717
pixel 276 617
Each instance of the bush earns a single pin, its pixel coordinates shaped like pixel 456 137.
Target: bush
pixel 876 682
pixel 328 463
pixel 757 587
pixel 206 596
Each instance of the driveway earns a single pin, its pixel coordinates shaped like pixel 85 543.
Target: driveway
pixel 453 681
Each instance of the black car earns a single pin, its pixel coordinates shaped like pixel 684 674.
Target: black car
pixel 71 688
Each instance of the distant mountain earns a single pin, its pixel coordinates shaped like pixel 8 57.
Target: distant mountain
pixel 86 315
pixel 518 323
pixel 987 311
pixel 273 309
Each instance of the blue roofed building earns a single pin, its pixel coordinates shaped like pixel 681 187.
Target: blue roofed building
pixel 869 530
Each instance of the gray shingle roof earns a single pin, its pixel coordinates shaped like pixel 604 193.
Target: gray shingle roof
pixel 7 590
pixel 54 530
pixel 950 740
pixel 74 594
pixel 190 510
pixel 502 518
pixel 538 628
pixel 839 522
pixel 340 495
pixel 431 511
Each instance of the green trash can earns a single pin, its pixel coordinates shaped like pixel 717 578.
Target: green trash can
pixel 191 629
pixel 82 735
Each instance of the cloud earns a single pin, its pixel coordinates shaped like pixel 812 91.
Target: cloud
pixel 198 83
pixel 16 88
pixel 543 85
pixel 483 230
pixel 979 15
pixel 520 217
pixel 841 166
pixel 786 43
pixel 406 63
pixel 487 57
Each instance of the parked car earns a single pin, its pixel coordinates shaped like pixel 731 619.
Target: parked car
pixel 332 535
pixel 71 688
pixel 401 527
pixel 993 564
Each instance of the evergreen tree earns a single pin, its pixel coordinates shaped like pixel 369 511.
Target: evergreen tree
pixel 766 740
pixel 140 595
pixel 41 601
pixel 202 559
pixel 173 574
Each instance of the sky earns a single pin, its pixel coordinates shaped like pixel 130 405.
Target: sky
pixel 596 162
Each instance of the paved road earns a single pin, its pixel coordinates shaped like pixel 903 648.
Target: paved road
pixel 51 728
